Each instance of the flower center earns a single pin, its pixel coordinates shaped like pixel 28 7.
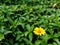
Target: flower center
pixel 38 31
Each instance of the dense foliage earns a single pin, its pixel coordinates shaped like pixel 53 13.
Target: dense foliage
pixel 18 18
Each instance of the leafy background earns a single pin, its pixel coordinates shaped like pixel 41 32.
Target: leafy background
pixel 18 18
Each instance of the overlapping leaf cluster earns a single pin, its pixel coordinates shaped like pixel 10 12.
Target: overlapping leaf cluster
pixel 18 18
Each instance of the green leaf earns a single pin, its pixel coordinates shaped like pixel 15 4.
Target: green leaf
pixel 27 41
pixel 37 42
pixel 16 44
pixel 26 33
pixel 7 32
pixel 28 27
pixel 18 37
pixel 56 35
pixel 1 36
pixel 58 42
pixel 45 38
pixel 54 43
pixel 30 36
pixel 50 44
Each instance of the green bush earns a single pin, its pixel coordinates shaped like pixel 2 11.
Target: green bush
pixel 18 18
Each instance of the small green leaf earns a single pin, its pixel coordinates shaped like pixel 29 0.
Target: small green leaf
pixel 16 44
pixel 28 27
pixel 37 42
pixel 30 36
pixel 26 33
pixel 54 43
pixel 7 32
pixel 58 42
pixel 1 36
pixel 56 35
pixel 18 37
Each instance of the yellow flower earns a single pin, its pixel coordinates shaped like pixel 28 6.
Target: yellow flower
pixel 39 31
